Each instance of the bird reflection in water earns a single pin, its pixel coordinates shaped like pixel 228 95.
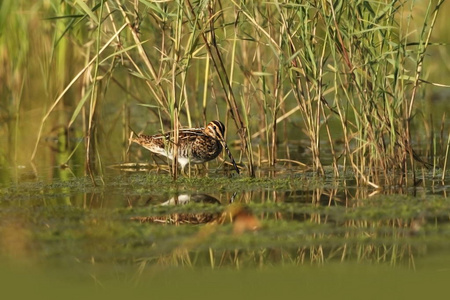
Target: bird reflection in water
pixel 240 216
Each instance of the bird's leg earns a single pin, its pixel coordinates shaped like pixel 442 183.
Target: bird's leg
pixel 183 171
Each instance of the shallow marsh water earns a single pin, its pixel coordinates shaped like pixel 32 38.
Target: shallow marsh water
pixel 132 228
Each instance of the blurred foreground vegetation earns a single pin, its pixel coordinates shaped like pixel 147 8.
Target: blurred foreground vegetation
pixel 353 84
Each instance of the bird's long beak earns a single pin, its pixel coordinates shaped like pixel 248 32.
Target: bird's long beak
pixel 230 156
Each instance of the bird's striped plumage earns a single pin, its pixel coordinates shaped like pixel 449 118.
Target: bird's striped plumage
pixel 195 145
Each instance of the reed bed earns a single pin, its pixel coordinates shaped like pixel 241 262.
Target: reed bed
pixel 346 76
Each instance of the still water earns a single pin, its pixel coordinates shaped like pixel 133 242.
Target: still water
pixel 136 227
